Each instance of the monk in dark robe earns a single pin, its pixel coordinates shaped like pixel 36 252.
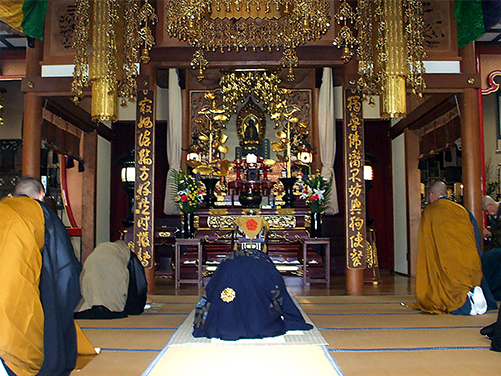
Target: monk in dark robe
pixel 491 259
pixel 40 289
pixel 449 271
pixel 246 297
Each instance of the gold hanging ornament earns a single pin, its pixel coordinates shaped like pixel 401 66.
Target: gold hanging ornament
pixel 111 38
pixel 389 48
pixel 224 25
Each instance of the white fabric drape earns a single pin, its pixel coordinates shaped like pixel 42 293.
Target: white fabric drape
pixel 174 140
pixel 327 135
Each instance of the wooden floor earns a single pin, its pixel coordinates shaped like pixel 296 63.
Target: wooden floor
pixel 392 284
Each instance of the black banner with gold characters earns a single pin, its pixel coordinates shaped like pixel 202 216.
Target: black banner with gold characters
pixel 144 228
pixel 354 162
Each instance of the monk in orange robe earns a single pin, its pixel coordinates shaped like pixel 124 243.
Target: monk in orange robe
pixel 449 271
pixel 40 289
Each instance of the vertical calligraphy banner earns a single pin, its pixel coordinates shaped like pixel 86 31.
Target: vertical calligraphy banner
pixel 354 161
pixel 144 228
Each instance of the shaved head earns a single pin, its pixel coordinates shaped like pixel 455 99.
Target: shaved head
pixel 437 190
pixel 489 205
pixel 30 187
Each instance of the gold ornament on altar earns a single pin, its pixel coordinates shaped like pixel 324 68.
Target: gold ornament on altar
pixel 389 48
pixel 211 25
pixel 292 134
pixel 111 38
pixel 238 85
pixel 208 139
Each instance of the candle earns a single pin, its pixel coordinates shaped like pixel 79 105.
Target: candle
pixel 251 158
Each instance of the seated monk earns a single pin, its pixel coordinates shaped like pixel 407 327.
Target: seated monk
pixel 246 297
pixel 39 288
pixel 491 259
pixel 449 271
pixel 113 283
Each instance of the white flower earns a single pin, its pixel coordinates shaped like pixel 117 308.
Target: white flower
pixel 319 193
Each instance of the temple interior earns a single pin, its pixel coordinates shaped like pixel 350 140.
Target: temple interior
pixel 333 138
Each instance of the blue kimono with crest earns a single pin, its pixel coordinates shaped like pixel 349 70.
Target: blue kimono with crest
pixel 246 298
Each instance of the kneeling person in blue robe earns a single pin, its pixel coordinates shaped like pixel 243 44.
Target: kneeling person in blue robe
pixel 246 298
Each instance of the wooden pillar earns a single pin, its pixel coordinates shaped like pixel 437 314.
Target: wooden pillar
pixel 413 189
pixel 185 94
pixel 316 164
pixel 354 276
pixel 89 194
pixel 470 138
pixel 32 121
pixel 150 71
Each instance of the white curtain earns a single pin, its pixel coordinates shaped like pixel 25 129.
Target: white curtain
pixel 174 139
pixel 327 135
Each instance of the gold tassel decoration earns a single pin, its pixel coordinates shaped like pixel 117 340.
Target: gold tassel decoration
pixel 389 49
pixel 104 67
pixel 393 95
pixel 108 41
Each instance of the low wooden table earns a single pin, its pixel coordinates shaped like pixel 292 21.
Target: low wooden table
pixel 177 273
pixel 325 242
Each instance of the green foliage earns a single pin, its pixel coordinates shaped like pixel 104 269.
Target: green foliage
pixel 492 187
pixel 317 192
pixel 189 193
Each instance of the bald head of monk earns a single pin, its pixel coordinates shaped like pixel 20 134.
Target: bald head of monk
pixel 31 187
pixel 489 205
pixel 437 190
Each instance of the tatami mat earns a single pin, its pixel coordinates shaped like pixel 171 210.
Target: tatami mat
pixel 366 335
pixel 375 335
pixel 184 338
pixel 420 363
pixel 254 360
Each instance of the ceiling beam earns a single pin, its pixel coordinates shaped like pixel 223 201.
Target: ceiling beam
pixel 431 109
pixel 67 110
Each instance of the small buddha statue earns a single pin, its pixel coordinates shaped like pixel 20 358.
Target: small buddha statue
pixel 251 133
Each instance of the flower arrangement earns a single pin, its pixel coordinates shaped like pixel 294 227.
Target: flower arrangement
pixel 492 188
pixel 189 191
pixel 316 192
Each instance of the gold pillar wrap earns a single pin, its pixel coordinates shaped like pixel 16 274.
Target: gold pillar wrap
pixel 106 60
pixel 393 97
pixel 104 100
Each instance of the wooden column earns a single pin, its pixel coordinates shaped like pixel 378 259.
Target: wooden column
pixel 354 276
pixel 470 137
pixel 316 165
pixel 413 189
pixel 32 122
pixel 150 71
pixel 186 103
pixel 89 194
